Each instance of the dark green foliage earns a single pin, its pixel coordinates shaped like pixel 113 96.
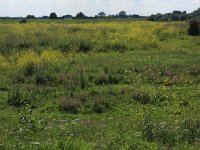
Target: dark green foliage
pixel 80 15
pixel 101 105
pixel 53 15
pixel 85 46
pixel 30 17
pixel 194 71
pixel 14 98
pixel 18 98
pixel 174 16
pixel 148 128
pixel 107 79
pixel 191 130
pixel 161 132
pixel 101 14
pixel 142 97
pixel 122 14
pixel 30 69
pixel 83 81
pixel 194 28
pixel 46 78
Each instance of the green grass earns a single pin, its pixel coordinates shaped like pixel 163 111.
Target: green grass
pixel 132 99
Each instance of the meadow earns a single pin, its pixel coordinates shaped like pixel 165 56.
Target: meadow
pixel 99 84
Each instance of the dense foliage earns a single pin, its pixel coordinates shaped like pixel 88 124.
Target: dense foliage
pixel 175 16
pixel 194 28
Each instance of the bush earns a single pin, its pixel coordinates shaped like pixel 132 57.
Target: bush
pixel 191 130
pixel 17 98
pixel 70 106
pixel 142 97
pixel 158 131
pixel 194 28
pixel 85 45
pixel 101 106
pixel 108 79
pixel 45 78
pixel 30 69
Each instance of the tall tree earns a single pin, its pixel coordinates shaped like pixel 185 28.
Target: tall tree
pixel 30 17
pixel 101 14
pixel 53 16
pixel 80 15
pixel 122 14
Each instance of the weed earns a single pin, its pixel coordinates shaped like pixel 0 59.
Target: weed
pixel 191 129
pixel 101 105
pixel 70 106
pixel 17 98
pixel 142 97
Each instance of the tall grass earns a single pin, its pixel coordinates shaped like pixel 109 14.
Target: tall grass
pixel 101 36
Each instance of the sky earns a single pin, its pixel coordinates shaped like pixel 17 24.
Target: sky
pixel 92 7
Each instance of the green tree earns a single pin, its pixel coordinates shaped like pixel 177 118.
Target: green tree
pixel 53 16
pixel 122 14
pixel 30 17
pixel 80 15
pixel 102 14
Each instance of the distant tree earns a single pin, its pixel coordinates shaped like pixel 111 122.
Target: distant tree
pixel 176 12
pixel 184 12
pixel 194 28
pixel 102 14
pixel 122 14
pixel 30 17
pixel 67 16
pixel 53 15
pixel 80 15
pixel 44 17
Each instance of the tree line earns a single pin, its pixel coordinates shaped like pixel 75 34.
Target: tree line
pixel 80 15
pixel 175 16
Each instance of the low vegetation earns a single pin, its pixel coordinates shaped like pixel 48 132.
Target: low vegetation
pixel 99 85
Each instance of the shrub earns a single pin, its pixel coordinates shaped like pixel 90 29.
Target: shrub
pixel 85 45
pixel 191 130
pixel 194 71
pixel 194 28
pixel 108 79
pixel 142 97
pixel 148 128
pixel 30 69
pixel 101 106
pixel 17 98
pixel 70 106
pixel 45 78
pixel 158 131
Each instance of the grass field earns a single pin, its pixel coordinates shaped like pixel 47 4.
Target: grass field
pixel 105 85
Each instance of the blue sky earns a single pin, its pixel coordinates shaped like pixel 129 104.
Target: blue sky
pixel 92 7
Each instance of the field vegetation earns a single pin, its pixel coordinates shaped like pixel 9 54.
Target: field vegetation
pixel 99 84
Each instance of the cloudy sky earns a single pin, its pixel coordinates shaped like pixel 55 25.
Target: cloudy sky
pixel 92 7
